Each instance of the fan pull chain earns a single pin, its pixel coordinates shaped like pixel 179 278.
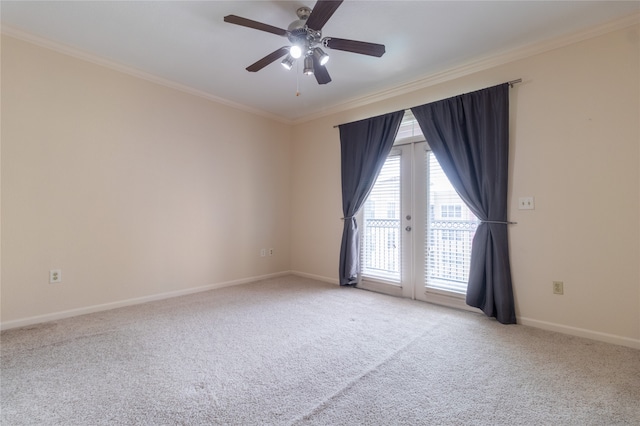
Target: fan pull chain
pixel 297 78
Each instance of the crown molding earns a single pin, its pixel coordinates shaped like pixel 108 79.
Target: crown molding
pixel 95 59
pixel 468 68
pixel 478 65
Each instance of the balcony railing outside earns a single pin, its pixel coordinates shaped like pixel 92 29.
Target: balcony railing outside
pixel 381 249
pixel 449 254
pixel 447 257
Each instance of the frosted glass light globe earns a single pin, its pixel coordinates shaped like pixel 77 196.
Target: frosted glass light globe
pixel 295 51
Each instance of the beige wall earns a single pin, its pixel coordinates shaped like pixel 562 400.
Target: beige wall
pixel 131 188
pixel 575 137
pixel 134 189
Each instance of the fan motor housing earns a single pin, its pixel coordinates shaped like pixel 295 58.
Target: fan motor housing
pixel 303 13
pixel 298 33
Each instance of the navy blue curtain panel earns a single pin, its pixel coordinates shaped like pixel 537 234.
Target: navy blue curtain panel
pixel 469 135
pixel 364 147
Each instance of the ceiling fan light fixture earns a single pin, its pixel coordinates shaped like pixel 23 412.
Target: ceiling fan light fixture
pixel 305 41
pixel 295 51
pixel 287 62
pixel 321 56
pixel 308 65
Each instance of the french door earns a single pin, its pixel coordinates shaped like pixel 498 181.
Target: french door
pixel 416 232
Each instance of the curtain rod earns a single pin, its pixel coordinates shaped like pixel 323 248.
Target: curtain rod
pixel 510 83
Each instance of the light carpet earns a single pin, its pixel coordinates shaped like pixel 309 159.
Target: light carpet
pixel 291 351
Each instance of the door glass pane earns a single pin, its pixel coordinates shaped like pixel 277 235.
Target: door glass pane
pixel 450 230
pixel 380 230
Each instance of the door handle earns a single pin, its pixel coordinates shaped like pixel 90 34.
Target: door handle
pixel 408 228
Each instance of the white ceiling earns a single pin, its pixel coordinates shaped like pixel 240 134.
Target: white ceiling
pixel 188 43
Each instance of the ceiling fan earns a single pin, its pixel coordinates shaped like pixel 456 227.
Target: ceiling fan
pixel 305 36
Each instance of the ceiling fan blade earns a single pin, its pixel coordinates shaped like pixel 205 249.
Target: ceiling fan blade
pixel 233 19
pixel 257 66
pixel 320 72
pixel 321 13
pixel 362 47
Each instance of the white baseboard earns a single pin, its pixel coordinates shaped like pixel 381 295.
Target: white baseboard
pixel 581 332
pixel 316 277
pixel 460 304
pixel 129 302
pixel 573 331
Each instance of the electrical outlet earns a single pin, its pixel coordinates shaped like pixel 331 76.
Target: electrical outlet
pixel 270 252
pixel 526 203
pixel 263 252
pixel 558 287
pixel 55 276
